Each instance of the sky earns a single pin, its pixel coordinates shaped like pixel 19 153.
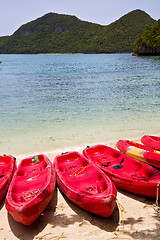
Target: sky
pixel 14 13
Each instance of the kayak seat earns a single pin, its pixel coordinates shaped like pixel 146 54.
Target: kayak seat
pixel 95 187
pixel 71 166
pixel 90 190
pixel 25 196
pixel 34 168
pixel 87 181
pixel 5 160
pixel 137 165
pixel 68 168
pixel 25 186
pixel 4 169
pixel 147 173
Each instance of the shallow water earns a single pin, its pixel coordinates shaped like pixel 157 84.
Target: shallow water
pixel 55 101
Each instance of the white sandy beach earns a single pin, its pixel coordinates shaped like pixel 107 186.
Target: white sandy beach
pixel 64 220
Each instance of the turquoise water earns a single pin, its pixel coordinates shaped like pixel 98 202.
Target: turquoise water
pixel 53 101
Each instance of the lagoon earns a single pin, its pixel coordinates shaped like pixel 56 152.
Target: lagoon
pixel 53 102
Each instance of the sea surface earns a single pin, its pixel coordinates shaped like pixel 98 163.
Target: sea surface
pixel 53 102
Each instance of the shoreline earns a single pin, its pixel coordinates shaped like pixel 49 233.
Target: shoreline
pixel 32 144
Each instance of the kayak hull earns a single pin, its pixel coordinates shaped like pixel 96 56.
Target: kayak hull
pixel 140 152
pixel 7 169
pixel 31 189
pixel 151 141
pixel 85 184
pixel 126 172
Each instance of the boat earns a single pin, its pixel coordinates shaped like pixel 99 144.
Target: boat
pixel 126 172
pixel 31 189
pixel 7 169
pixel 140 152
pixel 151 141
pixel 85 184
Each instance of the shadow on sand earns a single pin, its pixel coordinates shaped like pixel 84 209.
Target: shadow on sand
pixel 2 203
pixel 140 198
pixel 146 234
pixel 108 224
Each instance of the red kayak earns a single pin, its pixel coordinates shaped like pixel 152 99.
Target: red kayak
pixel 127 173
pixel 31 189
pixel 151 141
pixel 85 184
pixel 7 169
pixel 140 152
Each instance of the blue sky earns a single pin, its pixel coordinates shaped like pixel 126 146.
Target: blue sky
pixel 14 13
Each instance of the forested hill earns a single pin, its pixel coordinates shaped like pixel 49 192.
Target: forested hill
pixel 148 42
pixel 59 33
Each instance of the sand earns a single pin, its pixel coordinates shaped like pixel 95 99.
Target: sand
pixel 63 220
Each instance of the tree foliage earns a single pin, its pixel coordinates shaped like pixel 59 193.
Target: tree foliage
pixel 148 42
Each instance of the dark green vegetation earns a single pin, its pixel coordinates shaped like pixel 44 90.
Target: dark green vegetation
pixel 148 42
pixel 57 33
